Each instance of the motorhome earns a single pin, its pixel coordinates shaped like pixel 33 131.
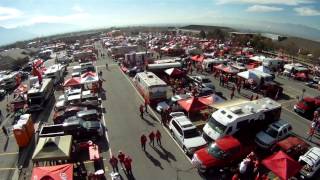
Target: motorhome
pixel 151 87
pixel 55 72
pixel 242 118
pixel 39 94
pixel 208 64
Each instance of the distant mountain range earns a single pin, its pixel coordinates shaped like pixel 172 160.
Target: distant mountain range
pixel 8 36
pixel 12 35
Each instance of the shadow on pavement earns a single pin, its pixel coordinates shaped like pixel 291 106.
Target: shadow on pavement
pixel 147 121
pixel 161 154
pixel 153 160
pixel 168 154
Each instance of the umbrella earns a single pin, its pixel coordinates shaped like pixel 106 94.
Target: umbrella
pixel 192 104
pixel 72 81
pixel 89 79
pixel 282 165
pixel 64 171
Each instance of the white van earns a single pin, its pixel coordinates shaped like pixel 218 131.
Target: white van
pixel 272 63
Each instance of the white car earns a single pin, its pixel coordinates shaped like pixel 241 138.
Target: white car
pixel 59 105
pixel 185 133
pixel 311 163
pixel 173 102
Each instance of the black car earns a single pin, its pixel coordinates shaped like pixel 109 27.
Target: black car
pixel 133 71
pixel 80 128
pixel 205 92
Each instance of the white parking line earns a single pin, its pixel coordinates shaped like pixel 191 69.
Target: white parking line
pixel 154 114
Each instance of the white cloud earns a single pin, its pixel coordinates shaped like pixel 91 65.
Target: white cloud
pixel 77 8
pixel 307 11
pixel 277 2
pixel 263 9
pixel 7 13
pixel 75 18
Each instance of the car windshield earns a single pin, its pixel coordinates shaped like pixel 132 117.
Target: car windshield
pixel 206 81
pixel 191 133
pixel 215 151
pixel 215 125
pixel 272 132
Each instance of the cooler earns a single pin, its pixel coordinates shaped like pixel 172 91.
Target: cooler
pixel 26 120
pixel 21 135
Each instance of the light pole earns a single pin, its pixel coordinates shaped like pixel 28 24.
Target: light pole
pixel 303 91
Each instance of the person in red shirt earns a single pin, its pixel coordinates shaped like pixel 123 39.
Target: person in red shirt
pixel 158 137
pixel 141 111
pixel 251 97
pixel 143 140
pixel 121 157
pixel 235 177
pixel 257 97
pixel 127 165
pixel 151 137
pixel 114 163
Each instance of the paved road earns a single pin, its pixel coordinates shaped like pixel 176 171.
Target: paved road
pixel 125 128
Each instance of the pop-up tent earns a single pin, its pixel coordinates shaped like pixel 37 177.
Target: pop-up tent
pixel 72 82
pixel 52 148
pixel 174 72
pixel 263 69
pixel 282 165
pixel 212 99
pixel 192 104
pixel 64 171
pixel 89 73
pixel 197 58
pixel 248 75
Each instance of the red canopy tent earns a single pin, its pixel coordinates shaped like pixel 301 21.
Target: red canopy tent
pixel 230 70
pixel 174 72
pixel 220 66
pixel 301 75
pixel 192 104
pixel 198 58
pixel 282 165
pixel 72 82
pixel 64 171
pixel 209 100
pixel 90 73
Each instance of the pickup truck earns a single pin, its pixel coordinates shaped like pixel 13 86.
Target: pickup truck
pixel 275 132
pixel 223 152
pixel 79 129
pixel 307 106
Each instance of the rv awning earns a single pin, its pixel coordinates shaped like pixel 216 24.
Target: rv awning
pixel 228 103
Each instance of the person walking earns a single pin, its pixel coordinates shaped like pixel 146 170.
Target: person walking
pixel 311 131
pixel 257 97
pixel 158 137
pixel 146 106
pixel 151 137
pixel 143 140
pixel 121 157
pixel 127 165
pixel 251 97
pixel 232 95
pixel 114 163
pixel 141 111
pixel 4 130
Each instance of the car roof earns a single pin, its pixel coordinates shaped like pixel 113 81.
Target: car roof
pixel 312 156
pixel 184 122
pixel 279 124
pixel 227 142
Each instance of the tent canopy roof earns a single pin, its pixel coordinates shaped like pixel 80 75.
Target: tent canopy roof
pixel 192 104
pixel 53 148
pixel 53 172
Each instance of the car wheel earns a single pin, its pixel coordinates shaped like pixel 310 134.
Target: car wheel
pixel 185 150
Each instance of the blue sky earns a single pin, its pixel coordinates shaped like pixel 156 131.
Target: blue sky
pixel 101 13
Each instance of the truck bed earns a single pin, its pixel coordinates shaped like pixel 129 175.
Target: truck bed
pixel 51 130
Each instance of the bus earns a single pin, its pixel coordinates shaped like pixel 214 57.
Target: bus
pixel 151 87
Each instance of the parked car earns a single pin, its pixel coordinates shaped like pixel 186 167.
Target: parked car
pixel 223 152
pixel 307 106
pixel 133 71
pixel 185 133
pixel 89 115
pixel 205 92
pixel 311 163
pixel 292 146
pixel 172 102
pixel 203 81
pixel 276 132
pixel 60 116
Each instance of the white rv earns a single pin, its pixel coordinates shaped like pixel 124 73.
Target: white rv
pixel 55 72
pixel 39 94
pixel 242 117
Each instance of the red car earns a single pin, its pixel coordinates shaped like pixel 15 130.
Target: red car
pixel 307 106
pixel 221 153
pixel 60 116
pixel 293 146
